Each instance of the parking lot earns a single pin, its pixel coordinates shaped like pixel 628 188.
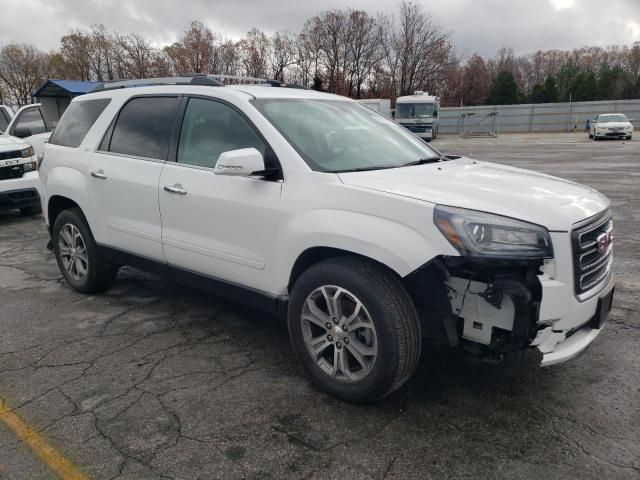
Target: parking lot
pixel 151 380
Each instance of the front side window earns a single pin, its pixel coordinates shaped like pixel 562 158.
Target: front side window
pixel 210 128
pixel 414 110
pixel 4 120
pixel 76 122
pixel 340 135
pixel 144 126
pixel 29 123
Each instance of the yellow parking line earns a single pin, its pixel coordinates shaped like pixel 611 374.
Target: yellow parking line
pixel 49 455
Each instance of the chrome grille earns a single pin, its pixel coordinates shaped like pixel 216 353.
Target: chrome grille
pixel 592 247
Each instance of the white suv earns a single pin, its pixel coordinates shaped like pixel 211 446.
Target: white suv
pixel 312 206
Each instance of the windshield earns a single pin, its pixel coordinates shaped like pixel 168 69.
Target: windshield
pixel 340 136
pixel 612 118
pixel 414 110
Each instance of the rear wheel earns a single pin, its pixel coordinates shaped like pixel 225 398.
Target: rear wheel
pixel 77 254
pixel 355 329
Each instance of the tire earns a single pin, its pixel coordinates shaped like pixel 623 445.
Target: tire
pixel 31 210
pixel 590 136
pixel 628 138
pixel 392 331
pixel 95 274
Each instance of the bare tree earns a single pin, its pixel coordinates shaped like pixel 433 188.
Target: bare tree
pixel 194 51
pixel 254 51
pixel 281 54
pixel 22 71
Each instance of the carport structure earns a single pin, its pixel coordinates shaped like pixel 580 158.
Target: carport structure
pixel 55 95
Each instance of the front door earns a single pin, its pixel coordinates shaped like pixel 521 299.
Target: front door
pixel 124 175
pixel 220 226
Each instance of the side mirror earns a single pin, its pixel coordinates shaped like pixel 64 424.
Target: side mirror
pixel 21 132
pixel 435 114
pixel 631 120
pixel 244 162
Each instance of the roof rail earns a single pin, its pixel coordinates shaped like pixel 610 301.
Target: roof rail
pixel 147 82
pixel 240 80
pixel 212 80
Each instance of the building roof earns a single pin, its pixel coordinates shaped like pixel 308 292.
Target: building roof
pixel 56 88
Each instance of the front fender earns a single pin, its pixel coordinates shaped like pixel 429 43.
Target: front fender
pixel 393 244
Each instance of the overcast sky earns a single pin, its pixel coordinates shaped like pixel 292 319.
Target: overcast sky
pixel 476 25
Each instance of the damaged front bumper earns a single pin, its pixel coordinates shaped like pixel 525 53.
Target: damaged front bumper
pixel 568 323
pixel 539 310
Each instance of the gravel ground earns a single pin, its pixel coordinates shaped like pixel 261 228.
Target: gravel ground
pixel 151 380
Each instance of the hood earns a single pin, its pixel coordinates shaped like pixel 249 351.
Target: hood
pixel 513 192
pixel 614 124
pixel 9 143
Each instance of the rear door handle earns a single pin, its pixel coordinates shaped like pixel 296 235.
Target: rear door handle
pixel 177 188
pixel 99 174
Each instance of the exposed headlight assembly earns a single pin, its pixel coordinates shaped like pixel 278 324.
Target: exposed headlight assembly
pixel 27 152
pixel 485 235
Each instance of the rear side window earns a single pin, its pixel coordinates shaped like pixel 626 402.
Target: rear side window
pixel 76 122
pixel 144 126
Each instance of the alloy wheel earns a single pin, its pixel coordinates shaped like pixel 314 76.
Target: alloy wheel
pixel 339 333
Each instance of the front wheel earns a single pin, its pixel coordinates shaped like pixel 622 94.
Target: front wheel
pixel 355 328
pixel 77 254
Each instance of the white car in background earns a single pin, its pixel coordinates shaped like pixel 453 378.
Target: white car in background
pixel 611 125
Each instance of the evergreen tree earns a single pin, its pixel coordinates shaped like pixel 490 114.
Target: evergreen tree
pixel 504 90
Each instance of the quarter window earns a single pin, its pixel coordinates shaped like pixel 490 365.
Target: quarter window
pixel 144 126
pixel 76 122
pixel 210 128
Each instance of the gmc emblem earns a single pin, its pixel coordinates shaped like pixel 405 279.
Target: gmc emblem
pixel 604 240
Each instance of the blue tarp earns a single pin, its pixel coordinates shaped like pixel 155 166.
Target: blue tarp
pixel 55 88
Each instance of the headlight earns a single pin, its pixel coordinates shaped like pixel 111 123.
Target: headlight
pixel 480 234
pixel 27 152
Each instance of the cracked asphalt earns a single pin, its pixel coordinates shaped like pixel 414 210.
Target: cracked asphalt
pixel 151 380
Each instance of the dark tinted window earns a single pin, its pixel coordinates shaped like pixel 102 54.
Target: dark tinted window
pixel 30 122
pixel 76 122
pixel 144 126
pixel 210 128
pixel 4 120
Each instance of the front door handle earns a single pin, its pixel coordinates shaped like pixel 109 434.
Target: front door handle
pixel 99 174
pixel 177 188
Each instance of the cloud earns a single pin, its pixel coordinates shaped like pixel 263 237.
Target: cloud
pixel 482 26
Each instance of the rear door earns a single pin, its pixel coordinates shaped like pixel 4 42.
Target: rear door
pixel 124 175
pixel 220 226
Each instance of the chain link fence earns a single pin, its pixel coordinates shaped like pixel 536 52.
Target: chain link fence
pixel 540 117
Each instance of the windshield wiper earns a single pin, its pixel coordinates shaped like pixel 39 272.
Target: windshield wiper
pixel 365 169
pixel 424 161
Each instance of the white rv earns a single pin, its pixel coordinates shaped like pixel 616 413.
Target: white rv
pixel 418 113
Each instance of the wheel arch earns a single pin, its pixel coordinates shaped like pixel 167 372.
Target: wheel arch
pixel 314 255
